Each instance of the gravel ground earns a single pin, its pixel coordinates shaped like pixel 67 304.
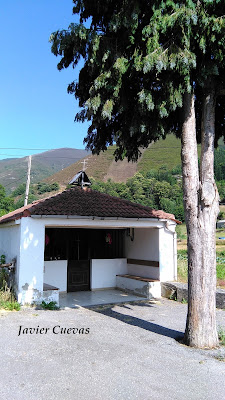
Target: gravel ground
pixel 129 353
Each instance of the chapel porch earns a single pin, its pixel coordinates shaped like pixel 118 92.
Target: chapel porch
pixel 97 297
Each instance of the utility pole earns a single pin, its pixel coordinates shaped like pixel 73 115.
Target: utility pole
pixel 28 181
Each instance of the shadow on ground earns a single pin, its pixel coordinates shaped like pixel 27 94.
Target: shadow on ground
pixel 134 321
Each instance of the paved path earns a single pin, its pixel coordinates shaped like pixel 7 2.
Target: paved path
pixel 130 352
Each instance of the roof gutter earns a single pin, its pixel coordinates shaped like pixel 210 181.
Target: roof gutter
pixel 98 218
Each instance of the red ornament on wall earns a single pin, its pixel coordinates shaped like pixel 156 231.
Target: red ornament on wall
pixel 108 238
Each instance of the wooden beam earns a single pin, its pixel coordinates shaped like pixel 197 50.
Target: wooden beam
pixel 143 262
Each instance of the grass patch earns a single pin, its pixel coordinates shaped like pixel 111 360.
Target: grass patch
pixel 163 152
pixel 8 302
pixel 181 232
pixel 182 266
pixel 10 305
pixel 220 265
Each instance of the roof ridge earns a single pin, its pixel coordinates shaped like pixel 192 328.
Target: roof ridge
pixel 86 202
pixel 123 200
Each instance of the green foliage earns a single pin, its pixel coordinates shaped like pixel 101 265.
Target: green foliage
pixel 9 305
pixel 34 192
pixel 19 190
pixel 221 215
pixel 181 231
pixel 43 187
pixel 221 189
pixel 161 190
pixel 49 306
pixel 220 265
pixel 20 202
pixel 163 152
pixel 2 259
pixel 221 335
pixel 182 265
pixel 6 203
pixel 219 164
pixel 138 63
pixel 177 170
pixel 54 186
pixel 40 187
pixel 168 205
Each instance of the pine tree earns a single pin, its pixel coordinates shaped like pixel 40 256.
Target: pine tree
pixel 150 68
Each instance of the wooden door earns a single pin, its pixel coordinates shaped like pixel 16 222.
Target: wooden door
pixel 78 275
pixel 78 268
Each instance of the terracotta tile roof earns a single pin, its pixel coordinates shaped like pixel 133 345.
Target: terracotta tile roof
pixel 80 202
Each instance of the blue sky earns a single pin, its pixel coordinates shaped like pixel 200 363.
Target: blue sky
pixel 35 110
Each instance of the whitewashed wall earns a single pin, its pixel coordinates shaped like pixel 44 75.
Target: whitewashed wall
pixel 31 264
pixel 55 274
pixel 168 254
pixel 103 272
pixel 145 246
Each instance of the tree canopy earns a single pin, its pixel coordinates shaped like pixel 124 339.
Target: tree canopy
pixel 140 57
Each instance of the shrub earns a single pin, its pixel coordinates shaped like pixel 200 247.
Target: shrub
pixel 49 306
pixel 54 186
pixel 10 305
pixel 221 215
pixel 221 335
pixel 2 259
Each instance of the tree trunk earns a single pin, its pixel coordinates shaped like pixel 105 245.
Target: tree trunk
pixel 201 209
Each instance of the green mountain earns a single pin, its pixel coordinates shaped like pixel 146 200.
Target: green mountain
pixel 103 167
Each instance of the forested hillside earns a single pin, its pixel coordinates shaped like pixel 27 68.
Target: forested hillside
pixel 159 189
pixel 154 181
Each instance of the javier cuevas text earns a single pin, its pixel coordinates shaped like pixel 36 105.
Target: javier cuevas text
pixel 57 330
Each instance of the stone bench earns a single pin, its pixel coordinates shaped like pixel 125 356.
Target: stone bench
pixel 46 286
pixel 50 293
pixel 140 286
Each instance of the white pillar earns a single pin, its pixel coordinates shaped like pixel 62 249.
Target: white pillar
pixel 167 253
pixel 31 261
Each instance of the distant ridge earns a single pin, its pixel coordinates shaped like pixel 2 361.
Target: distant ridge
pixel 13 171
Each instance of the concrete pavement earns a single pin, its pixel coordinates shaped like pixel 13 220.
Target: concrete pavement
pixel 125 351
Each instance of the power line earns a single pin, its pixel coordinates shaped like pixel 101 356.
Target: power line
pixel 70 148
pixel 21 155
pixel 21 148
